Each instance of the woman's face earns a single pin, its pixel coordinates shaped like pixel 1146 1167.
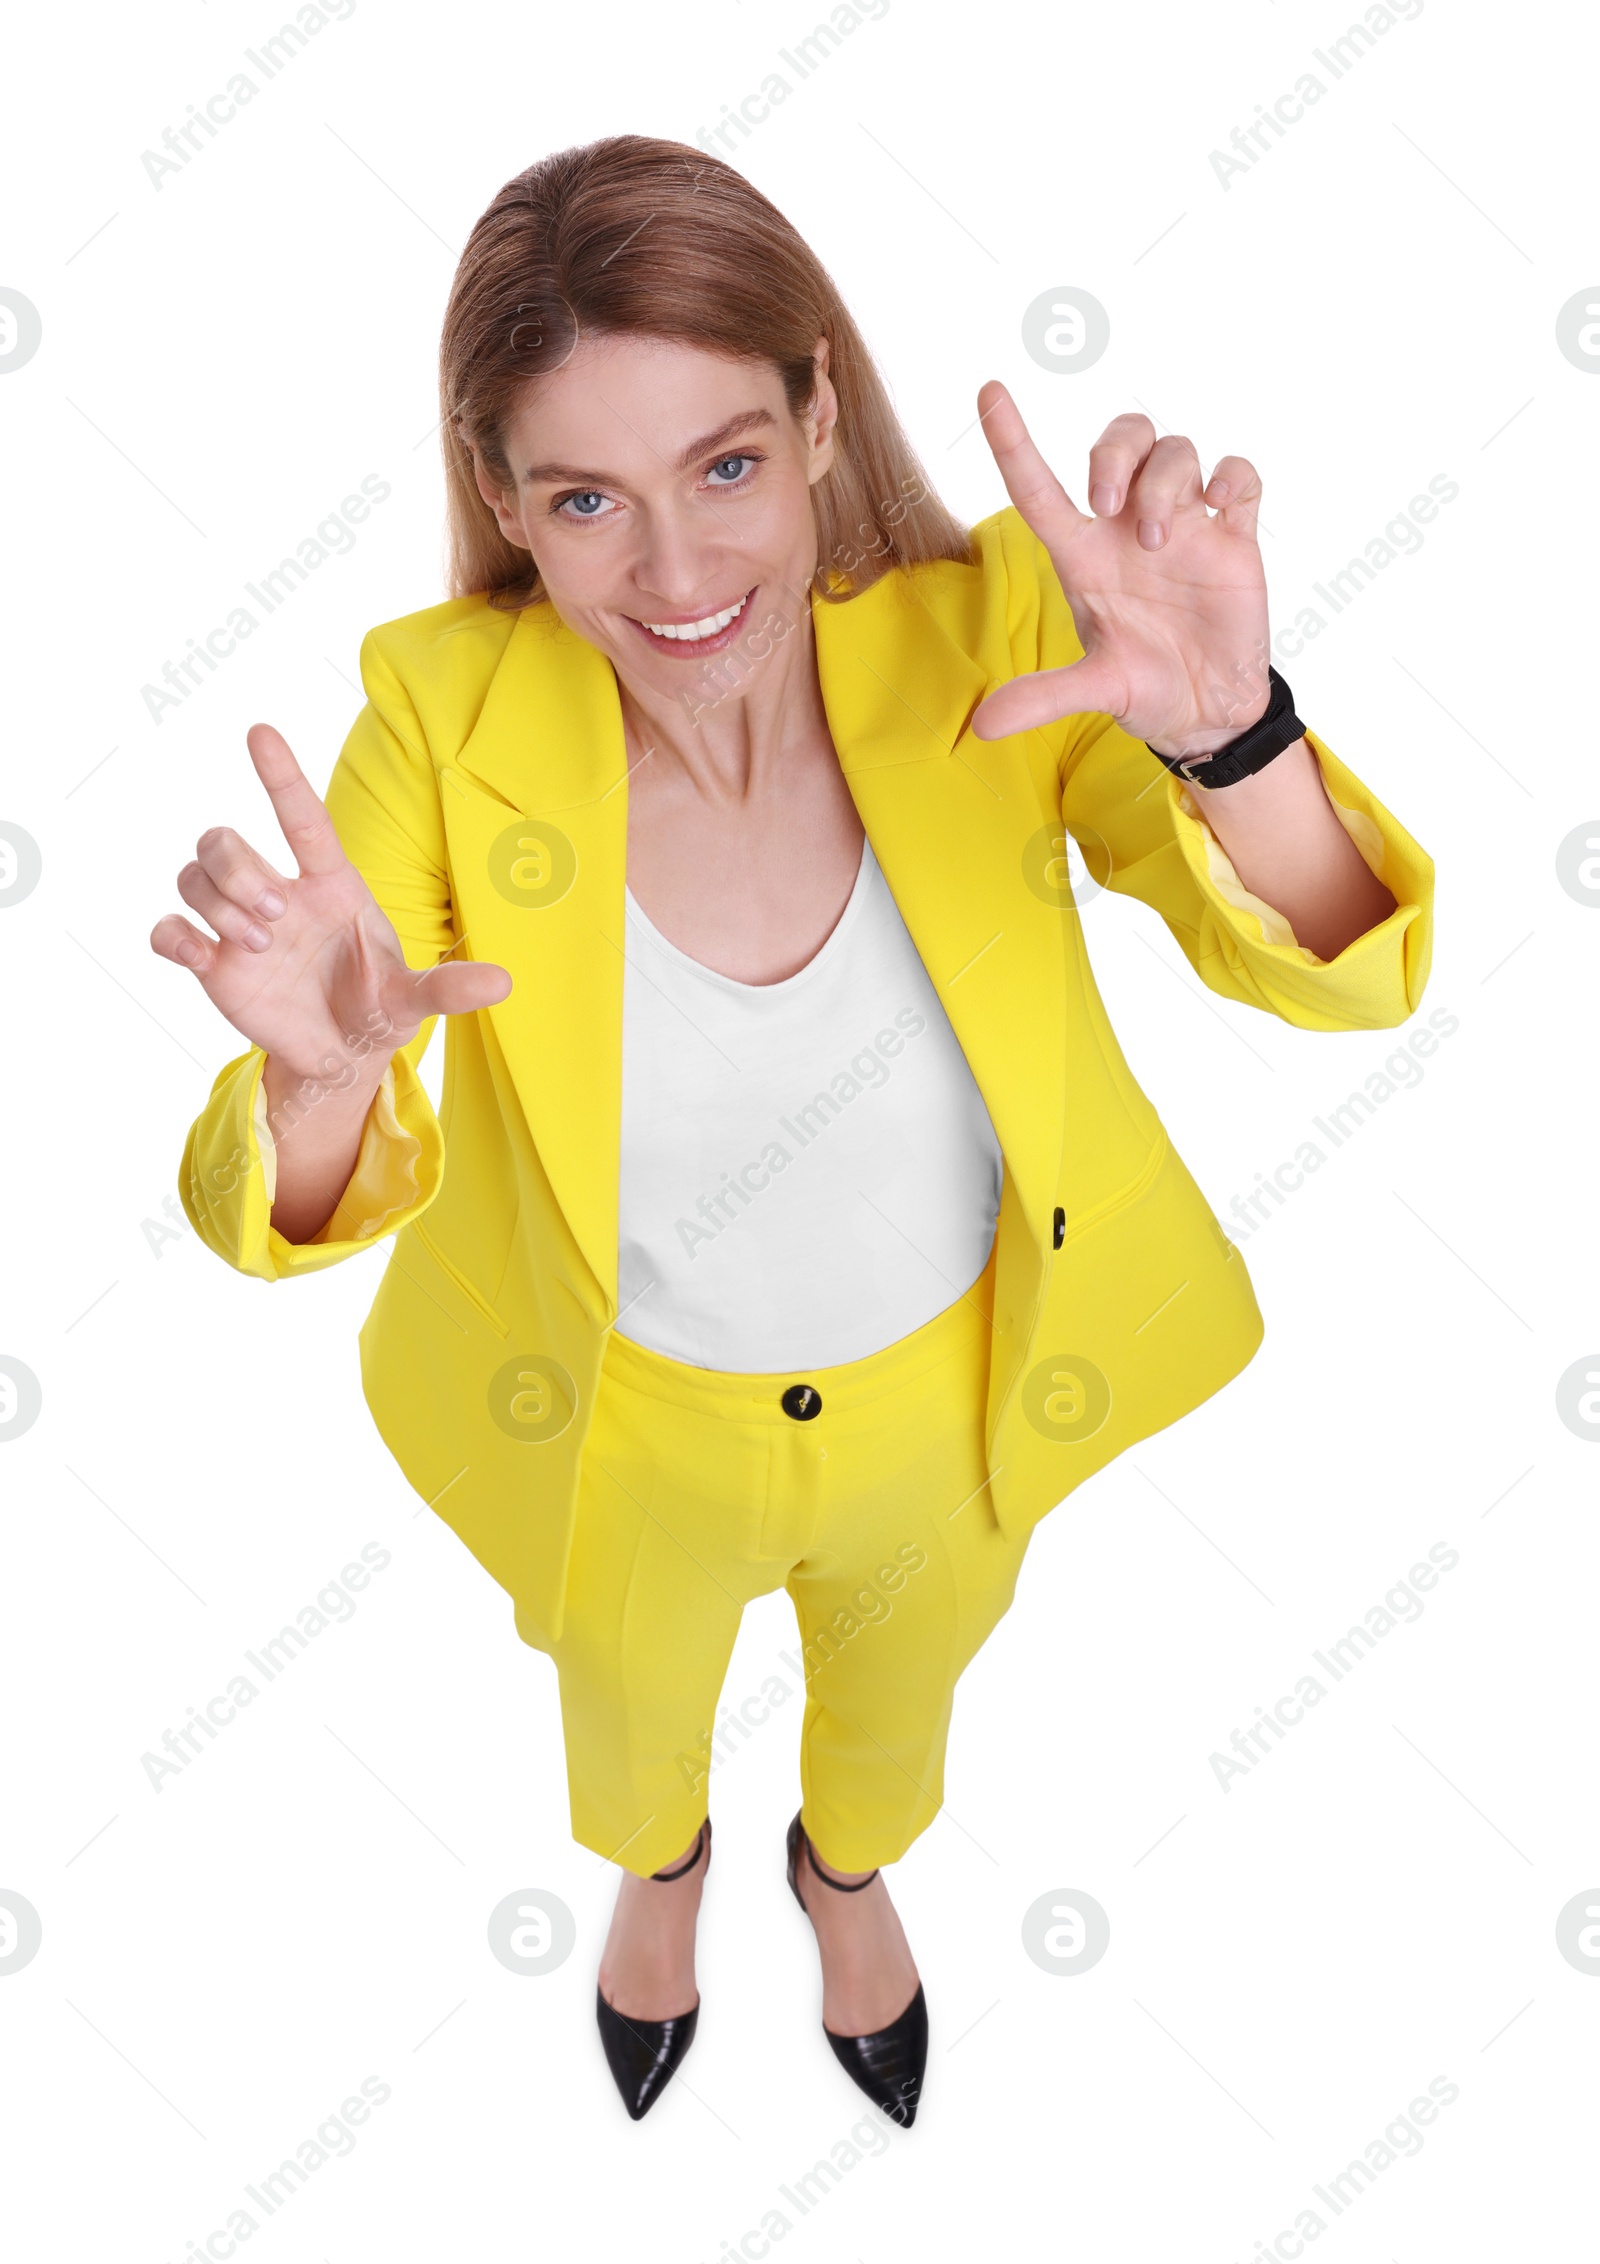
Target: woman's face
pixel 660 487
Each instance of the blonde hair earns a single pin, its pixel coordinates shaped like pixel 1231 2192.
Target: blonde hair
pixel 634 235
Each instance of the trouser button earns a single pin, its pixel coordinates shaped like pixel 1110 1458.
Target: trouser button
pixel 802 1401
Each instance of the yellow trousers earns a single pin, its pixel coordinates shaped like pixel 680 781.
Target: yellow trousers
pixel 700 1489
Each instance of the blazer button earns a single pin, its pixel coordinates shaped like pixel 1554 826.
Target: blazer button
pixel 1061 1226
pixel 802 1401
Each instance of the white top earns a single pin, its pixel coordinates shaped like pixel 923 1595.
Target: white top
pixel 808 1168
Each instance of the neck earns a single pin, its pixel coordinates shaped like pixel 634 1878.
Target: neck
pixel 730 729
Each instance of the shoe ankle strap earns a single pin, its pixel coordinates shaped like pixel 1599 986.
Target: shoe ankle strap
pixel 839 1886
pixel 689 1862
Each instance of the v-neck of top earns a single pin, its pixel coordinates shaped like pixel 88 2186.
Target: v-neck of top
pixel 829 949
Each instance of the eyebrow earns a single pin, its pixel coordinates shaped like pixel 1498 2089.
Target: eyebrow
pixel 748 420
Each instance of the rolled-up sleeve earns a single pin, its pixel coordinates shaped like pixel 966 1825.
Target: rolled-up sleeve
pixel 1244 948
pixel 229 1173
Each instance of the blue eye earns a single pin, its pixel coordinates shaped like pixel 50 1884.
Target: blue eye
pixel 592 503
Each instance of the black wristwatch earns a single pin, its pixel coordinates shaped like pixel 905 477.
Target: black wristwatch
pixel 1280 727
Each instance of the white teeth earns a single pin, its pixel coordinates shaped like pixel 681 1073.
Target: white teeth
pixel 691 632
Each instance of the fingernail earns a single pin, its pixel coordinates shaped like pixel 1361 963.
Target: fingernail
pixel 188 952
pixel 1104 500
pixel 1219 491
pixel 259 939
pixel 271 903
pixel 1150 534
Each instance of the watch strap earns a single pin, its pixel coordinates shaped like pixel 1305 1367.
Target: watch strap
pixel 1254 748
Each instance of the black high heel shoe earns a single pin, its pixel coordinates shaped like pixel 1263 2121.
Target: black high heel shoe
pixel 889 2064
pixel 644 2054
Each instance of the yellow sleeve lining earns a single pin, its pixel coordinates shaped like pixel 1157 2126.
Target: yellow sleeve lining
pixel 1225 879
pixel 383 1181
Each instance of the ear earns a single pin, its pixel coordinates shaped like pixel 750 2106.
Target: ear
pixel 822 416
pixel 494 495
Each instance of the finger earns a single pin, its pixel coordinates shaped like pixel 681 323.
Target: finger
pixel 1030 483
pixel 230 919
pixel 461 986
pixel 1168 480
pixel 176 939
pixel 407 996
pixel 303 821
pixel 1114 461
pixel 1088 687
pixel 241 873
pixel 1234 491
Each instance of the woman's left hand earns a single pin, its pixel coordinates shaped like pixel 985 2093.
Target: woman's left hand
pixel 1169 600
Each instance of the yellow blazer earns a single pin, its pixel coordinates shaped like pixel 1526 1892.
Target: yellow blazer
pixel 482 792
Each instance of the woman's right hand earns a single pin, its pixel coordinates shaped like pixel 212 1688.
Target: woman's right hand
pixel 309 969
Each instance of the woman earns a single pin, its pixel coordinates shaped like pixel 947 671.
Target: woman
pixel 791 1217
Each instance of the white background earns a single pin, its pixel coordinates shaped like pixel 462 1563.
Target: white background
pixel 1291 1960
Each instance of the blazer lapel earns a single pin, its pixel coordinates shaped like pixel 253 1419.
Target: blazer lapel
pixel 958 823
pixel 953 821
pixel 545 900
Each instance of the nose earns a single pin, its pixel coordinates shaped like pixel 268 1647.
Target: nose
pixel 678 569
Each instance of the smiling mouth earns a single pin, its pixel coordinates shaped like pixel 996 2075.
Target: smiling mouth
pixel 711 629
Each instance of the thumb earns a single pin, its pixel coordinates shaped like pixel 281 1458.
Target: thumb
pixel 455 986
pixel 1088 687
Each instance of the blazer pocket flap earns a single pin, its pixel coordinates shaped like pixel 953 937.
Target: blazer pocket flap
pixel 437 1276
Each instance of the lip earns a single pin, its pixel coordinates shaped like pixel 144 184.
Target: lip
pixel 691 649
